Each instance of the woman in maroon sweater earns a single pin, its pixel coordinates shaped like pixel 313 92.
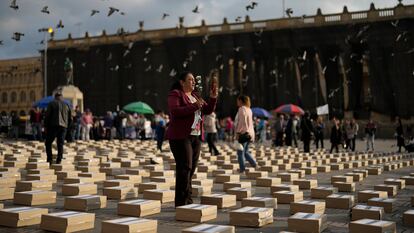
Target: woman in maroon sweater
pixel 186 108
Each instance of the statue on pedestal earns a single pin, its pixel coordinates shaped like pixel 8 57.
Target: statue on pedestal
pixel 68 68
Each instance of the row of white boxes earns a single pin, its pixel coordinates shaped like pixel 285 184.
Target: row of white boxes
pixel 252 172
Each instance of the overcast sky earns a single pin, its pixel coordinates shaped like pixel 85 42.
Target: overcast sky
pixel 75 15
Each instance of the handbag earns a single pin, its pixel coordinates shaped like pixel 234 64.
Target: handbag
pixel 237 145
pixel 244 137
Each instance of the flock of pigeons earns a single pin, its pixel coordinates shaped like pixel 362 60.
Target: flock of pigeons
pixel 361 36
pixel 17 36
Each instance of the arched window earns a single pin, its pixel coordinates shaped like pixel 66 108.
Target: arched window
pixel 4 98
pixel 22 97
pixel 13 97
pixel 32 96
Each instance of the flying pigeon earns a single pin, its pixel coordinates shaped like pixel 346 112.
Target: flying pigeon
pixel 112 10
pixel 17 36
pixel 173 73
pixel 195 10
pixel 159 69
pixel 251 6
pixel 165 15
pixel 289 12
pixel 60 25
pixel 13 5
pixel 93 12
pixel 205 38
pixel 45 10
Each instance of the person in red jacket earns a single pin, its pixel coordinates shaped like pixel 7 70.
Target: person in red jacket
pixel 186 109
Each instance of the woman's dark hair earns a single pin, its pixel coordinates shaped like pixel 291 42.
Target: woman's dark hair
pixel 181 77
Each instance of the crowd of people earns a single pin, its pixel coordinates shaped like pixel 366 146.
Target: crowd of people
pixel 87 126
pixel 282 130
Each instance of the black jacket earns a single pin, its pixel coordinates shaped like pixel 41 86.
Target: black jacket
pixel 307 129
pixel 336 135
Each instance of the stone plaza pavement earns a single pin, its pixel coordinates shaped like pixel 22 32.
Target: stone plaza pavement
pixel 338 219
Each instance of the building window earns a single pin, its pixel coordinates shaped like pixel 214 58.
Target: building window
pixel 13 97
pixel 4 98
pixel 22 97
pixel 32 96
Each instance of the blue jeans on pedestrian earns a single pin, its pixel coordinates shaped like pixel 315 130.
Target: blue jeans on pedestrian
pixel 245 154
pixel 37 131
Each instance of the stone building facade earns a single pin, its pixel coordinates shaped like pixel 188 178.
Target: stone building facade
pixel 357 62
pixel 21 84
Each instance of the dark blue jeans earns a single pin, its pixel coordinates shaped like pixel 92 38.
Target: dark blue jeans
pixel 245 154
pixel 59 133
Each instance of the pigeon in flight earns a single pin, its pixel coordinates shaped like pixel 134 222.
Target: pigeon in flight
pixel 116 68
pixel 45 10
pixel 218 57
pixel 173 73
pixel 112 10
pixel 165 15
pixel 205 38
pixel 14 5
pixel 251 6
pixel 17 36
pixel 1 42
pixel 259 33
pixel 60 24
pixel 159 69
pixel 94 12
pixel 109 57
pixel 195 10
pixel 289 12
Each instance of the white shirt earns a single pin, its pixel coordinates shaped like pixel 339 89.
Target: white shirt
pixel 196 126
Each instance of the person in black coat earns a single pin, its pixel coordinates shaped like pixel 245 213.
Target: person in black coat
pixel 307 131
pixel 399 133
pixel 336 135
pixel 288 131
pixel 58 118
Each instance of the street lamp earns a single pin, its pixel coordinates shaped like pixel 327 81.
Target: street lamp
pixel 47 32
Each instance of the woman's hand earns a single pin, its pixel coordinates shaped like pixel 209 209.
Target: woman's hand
pixel 200 102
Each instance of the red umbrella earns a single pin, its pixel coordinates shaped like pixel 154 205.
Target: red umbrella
pixel 289 109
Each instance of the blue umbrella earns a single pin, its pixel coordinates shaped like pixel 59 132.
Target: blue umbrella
pixel 260 112
pixel 46 100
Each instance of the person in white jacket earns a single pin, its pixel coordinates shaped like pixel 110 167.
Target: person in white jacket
pixel 210 128
pixel 245 131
